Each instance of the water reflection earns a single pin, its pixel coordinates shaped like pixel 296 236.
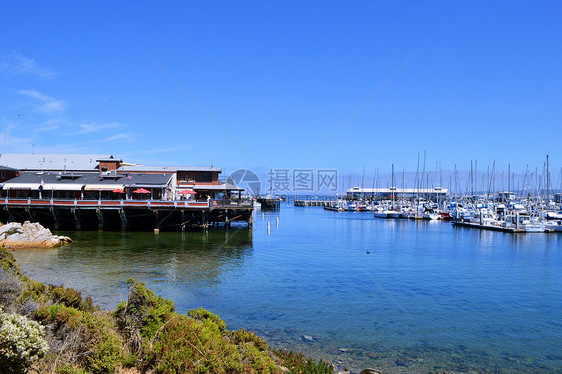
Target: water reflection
pixel 99 263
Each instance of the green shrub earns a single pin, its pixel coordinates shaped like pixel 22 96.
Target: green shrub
pixel 8 262
pixel 243 336
pixel 209 318
pixel 22 342
pixel 298 363
pixel 96 346
pixel 68 369
pixel 185 345
pixel 144 311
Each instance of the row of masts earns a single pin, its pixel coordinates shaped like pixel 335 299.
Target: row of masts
pixel 535 183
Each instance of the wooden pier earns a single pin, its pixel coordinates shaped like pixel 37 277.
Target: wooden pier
pixel 135 215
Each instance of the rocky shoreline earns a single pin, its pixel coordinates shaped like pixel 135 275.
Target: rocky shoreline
pixel 15 235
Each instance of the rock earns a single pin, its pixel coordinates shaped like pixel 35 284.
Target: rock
pixel 284 369
pixel 14 235
pixel 401 363
pixel 371 371
pixel 308 338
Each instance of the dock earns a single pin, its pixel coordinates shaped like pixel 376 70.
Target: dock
pixel 269 202
pixel 314 202
pixel 511 230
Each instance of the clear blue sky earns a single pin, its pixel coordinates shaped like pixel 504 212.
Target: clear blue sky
pixel 461 80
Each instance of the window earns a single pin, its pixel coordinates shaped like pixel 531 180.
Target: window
pixel 204 176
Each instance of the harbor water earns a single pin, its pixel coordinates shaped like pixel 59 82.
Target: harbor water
pixel 398 295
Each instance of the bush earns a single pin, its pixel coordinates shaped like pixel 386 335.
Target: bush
pixel 298 363
pixel 21 343
pixel 89 338
pixel 210 319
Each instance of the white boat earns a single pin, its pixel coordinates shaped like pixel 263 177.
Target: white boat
pixel 553 215
pixel 380 214
pixel 535 227
pixel 554 226
pixel 392 214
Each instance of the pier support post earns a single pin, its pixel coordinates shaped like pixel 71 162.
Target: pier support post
pixel 156 222
pixel 204 220
pixel 28 210
pixel 183 220
pixel 123 217
pixel 56 225
pixel 100 219
pixel 10 215
pixel 76 219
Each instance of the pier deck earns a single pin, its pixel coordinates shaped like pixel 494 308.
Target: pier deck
pixel 126 214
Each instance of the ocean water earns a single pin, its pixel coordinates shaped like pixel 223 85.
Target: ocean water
pixel 398 295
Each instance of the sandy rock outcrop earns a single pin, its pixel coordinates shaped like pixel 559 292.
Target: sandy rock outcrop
pixel 14 235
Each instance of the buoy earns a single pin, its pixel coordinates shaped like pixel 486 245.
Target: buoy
pixel 268 228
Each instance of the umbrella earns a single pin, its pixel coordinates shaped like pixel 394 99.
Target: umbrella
pixel 187 192
pixel 117 190
pixel 141 190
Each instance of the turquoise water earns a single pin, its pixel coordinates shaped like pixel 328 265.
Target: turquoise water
pixel 426 297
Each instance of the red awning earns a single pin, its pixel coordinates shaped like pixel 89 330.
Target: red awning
pixel 187 192
pixel 141 190
pixel 118 191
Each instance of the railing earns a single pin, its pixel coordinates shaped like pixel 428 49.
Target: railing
pixel 216 203
pixel 105 203
pixel 232 203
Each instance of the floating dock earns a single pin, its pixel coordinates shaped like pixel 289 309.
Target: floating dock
pixel 314 202
pixel 488 227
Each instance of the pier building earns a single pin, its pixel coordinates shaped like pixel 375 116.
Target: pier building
pixel 434 194
pixel 103 192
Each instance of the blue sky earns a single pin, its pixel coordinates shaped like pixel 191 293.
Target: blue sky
pixel 461 80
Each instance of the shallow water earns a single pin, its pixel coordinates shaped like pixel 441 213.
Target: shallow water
pixel 426 297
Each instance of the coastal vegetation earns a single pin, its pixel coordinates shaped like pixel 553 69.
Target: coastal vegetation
pixel 60 331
